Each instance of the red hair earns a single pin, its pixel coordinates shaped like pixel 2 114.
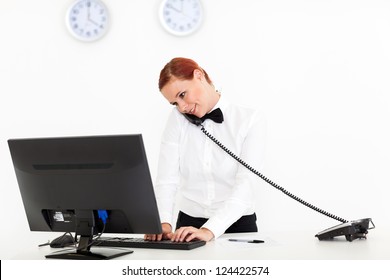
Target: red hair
pixel 180 68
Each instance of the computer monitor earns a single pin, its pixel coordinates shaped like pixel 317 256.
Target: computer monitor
pixel 66 183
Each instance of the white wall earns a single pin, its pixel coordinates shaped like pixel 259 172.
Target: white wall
pixel 318 69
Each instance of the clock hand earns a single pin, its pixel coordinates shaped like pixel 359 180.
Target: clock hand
pixel 90 19
pixel 170 6
pixel 94 22
pixel 89 13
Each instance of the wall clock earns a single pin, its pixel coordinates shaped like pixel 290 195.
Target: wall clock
pixel 87 20
pixel 181 17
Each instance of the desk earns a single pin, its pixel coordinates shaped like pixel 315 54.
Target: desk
pixel 296 245
pixel 296 255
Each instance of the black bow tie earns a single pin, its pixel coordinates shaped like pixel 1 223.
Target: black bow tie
pixel 215 115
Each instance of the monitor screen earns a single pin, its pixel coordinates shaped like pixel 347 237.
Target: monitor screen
pixel 86 185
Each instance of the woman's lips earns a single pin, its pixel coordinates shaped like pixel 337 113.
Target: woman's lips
pixel 192 111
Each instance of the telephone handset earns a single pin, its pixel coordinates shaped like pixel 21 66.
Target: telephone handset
pixel 351 229
pixel 193 119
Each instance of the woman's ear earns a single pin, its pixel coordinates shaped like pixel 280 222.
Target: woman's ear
pixel 198 74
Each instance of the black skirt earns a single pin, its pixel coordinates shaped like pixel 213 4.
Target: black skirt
pixel 244 224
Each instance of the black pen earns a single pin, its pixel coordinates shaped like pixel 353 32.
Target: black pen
pixel 247 240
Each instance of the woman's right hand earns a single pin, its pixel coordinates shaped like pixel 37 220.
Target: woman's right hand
pixel 166 233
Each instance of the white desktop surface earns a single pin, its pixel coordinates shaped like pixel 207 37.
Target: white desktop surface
pixel 294 245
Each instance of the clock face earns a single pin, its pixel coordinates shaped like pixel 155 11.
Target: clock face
pixel 181 17
pixel 87 20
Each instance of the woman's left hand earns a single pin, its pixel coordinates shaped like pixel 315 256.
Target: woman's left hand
pixel 190 233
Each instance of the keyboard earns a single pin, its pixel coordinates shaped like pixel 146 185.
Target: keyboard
pixel 141 243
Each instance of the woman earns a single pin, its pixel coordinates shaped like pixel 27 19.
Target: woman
pixel 216 194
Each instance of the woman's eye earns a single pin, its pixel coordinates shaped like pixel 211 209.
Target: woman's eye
pixel 181 95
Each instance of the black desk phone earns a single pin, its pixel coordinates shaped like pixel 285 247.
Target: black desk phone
pixel 350 229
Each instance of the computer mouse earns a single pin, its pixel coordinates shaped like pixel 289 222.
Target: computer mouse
pixel 62 241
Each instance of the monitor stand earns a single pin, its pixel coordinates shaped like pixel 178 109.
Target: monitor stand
pixel 83 252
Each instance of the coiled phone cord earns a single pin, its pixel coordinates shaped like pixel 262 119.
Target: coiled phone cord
pixel 268 180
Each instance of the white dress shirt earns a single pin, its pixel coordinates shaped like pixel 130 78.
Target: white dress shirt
pixel 209 182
